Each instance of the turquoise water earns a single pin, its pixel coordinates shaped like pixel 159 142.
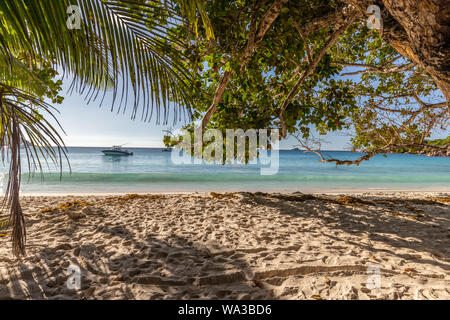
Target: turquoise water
pixel 150 170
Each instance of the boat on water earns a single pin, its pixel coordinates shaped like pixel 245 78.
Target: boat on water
pixel 117 151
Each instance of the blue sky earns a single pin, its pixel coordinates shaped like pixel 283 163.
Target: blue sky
pixel 89 125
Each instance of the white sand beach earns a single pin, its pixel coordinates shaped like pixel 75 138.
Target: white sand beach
pixel 232 246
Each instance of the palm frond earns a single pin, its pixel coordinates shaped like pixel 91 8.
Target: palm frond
pixel 23 125
pixel 122 45
pixel 192 9
pixel 133 38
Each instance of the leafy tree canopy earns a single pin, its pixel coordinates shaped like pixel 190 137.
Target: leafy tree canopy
pixel 301 73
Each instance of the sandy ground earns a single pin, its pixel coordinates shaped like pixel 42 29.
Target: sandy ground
pixel 233 246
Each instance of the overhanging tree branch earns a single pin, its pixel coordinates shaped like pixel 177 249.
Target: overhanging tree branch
pixel 312 66
pixel 338 162
pixel 375 69
pixel 254 40
pixel 344 162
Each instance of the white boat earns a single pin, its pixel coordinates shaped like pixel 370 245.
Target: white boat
pixel 117 151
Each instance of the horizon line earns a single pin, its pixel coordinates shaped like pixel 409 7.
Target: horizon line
pixel 163 147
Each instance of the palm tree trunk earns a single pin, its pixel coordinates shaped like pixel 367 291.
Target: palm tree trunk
pixel 16 214
pixel 12 139
pixel 11 199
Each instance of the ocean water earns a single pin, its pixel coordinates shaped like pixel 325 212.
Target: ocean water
pixel 151 170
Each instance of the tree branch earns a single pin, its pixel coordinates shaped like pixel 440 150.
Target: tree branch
pixel 255 38
pixel 294 91
pixel 375 69
pixel 344 162
pixel 335 17
pixel 305 41
pixel 338 162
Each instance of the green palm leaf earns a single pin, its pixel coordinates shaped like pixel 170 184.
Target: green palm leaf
pixel 123 45
pixel 132 38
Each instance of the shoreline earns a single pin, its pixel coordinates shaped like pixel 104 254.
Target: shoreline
pixel 359 191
